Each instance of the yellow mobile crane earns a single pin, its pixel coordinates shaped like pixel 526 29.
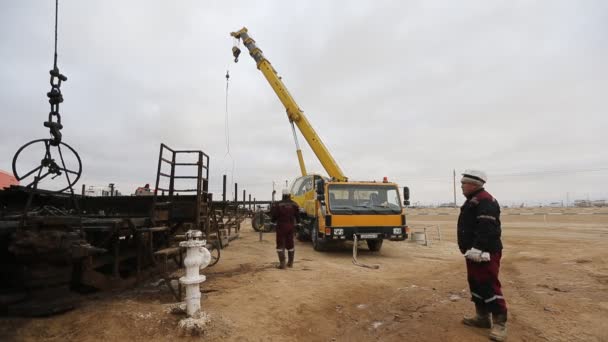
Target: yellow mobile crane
pixel 334 208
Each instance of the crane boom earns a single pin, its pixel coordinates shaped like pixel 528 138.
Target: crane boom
pixel 294 113
pixel 335 209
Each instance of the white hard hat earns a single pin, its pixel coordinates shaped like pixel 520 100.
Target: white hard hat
pixel 474 176
pixel 285 192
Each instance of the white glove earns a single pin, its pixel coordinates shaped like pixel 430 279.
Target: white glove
pixel 474 255
pixel 485 256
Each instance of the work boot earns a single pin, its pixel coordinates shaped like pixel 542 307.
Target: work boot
pixel 481 319
pixel 290 255
pixel 499 329
pixel 281 260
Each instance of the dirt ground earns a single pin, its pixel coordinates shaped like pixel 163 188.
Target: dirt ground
pixel 554 273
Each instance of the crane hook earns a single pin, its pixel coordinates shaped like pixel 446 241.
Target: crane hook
pixel 236 52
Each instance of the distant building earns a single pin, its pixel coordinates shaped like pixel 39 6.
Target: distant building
pixel 582 203
pixel 600 203
pixel 96 191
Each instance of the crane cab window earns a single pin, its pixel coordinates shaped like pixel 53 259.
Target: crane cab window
pixel 302 185
pixel 306 185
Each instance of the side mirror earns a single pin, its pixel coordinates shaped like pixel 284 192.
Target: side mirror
pixel 406 195
pixel 320 189
pixel 320 186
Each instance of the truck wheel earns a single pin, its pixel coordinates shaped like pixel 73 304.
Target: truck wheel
pixel 317 243
pixel 260 222
pixel 215 253
pixel 257 221
pixel 374 245
pixel 301 235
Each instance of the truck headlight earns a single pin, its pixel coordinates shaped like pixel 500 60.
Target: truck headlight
pixel 396 231
pixel 338 231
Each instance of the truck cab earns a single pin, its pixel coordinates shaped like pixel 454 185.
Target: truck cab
pixel 335 211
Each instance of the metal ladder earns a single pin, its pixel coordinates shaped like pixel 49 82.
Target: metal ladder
pixel 161 211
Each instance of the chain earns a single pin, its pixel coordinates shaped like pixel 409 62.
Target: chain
pixel 55 96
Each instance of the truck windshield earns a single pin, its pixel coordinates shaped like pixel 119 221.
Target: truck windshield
pixel 364 199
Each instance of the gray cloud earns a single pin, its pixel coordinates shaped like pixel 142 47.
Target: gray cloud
pixel 408 90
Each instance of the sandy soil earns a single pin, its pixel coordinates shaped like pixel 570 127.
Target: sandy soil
pixel 555 278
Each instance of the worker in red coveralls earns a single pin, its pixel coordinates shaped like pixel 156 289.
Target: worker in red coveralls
pixel 285 214
pixel 479 240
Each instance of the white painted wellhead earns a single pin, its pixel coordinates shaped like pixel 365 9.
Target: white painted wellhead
pixel 197 257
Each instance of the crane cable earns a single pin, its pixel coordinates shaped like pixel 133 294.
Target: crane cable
pixel 227 128
pixel 56 19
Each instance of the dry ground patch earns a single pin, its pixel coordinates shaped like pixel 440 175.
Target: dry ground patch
pixel 555 277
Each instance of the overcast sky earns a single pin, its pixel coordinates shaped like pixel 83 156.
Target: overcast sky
pixel 405 89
